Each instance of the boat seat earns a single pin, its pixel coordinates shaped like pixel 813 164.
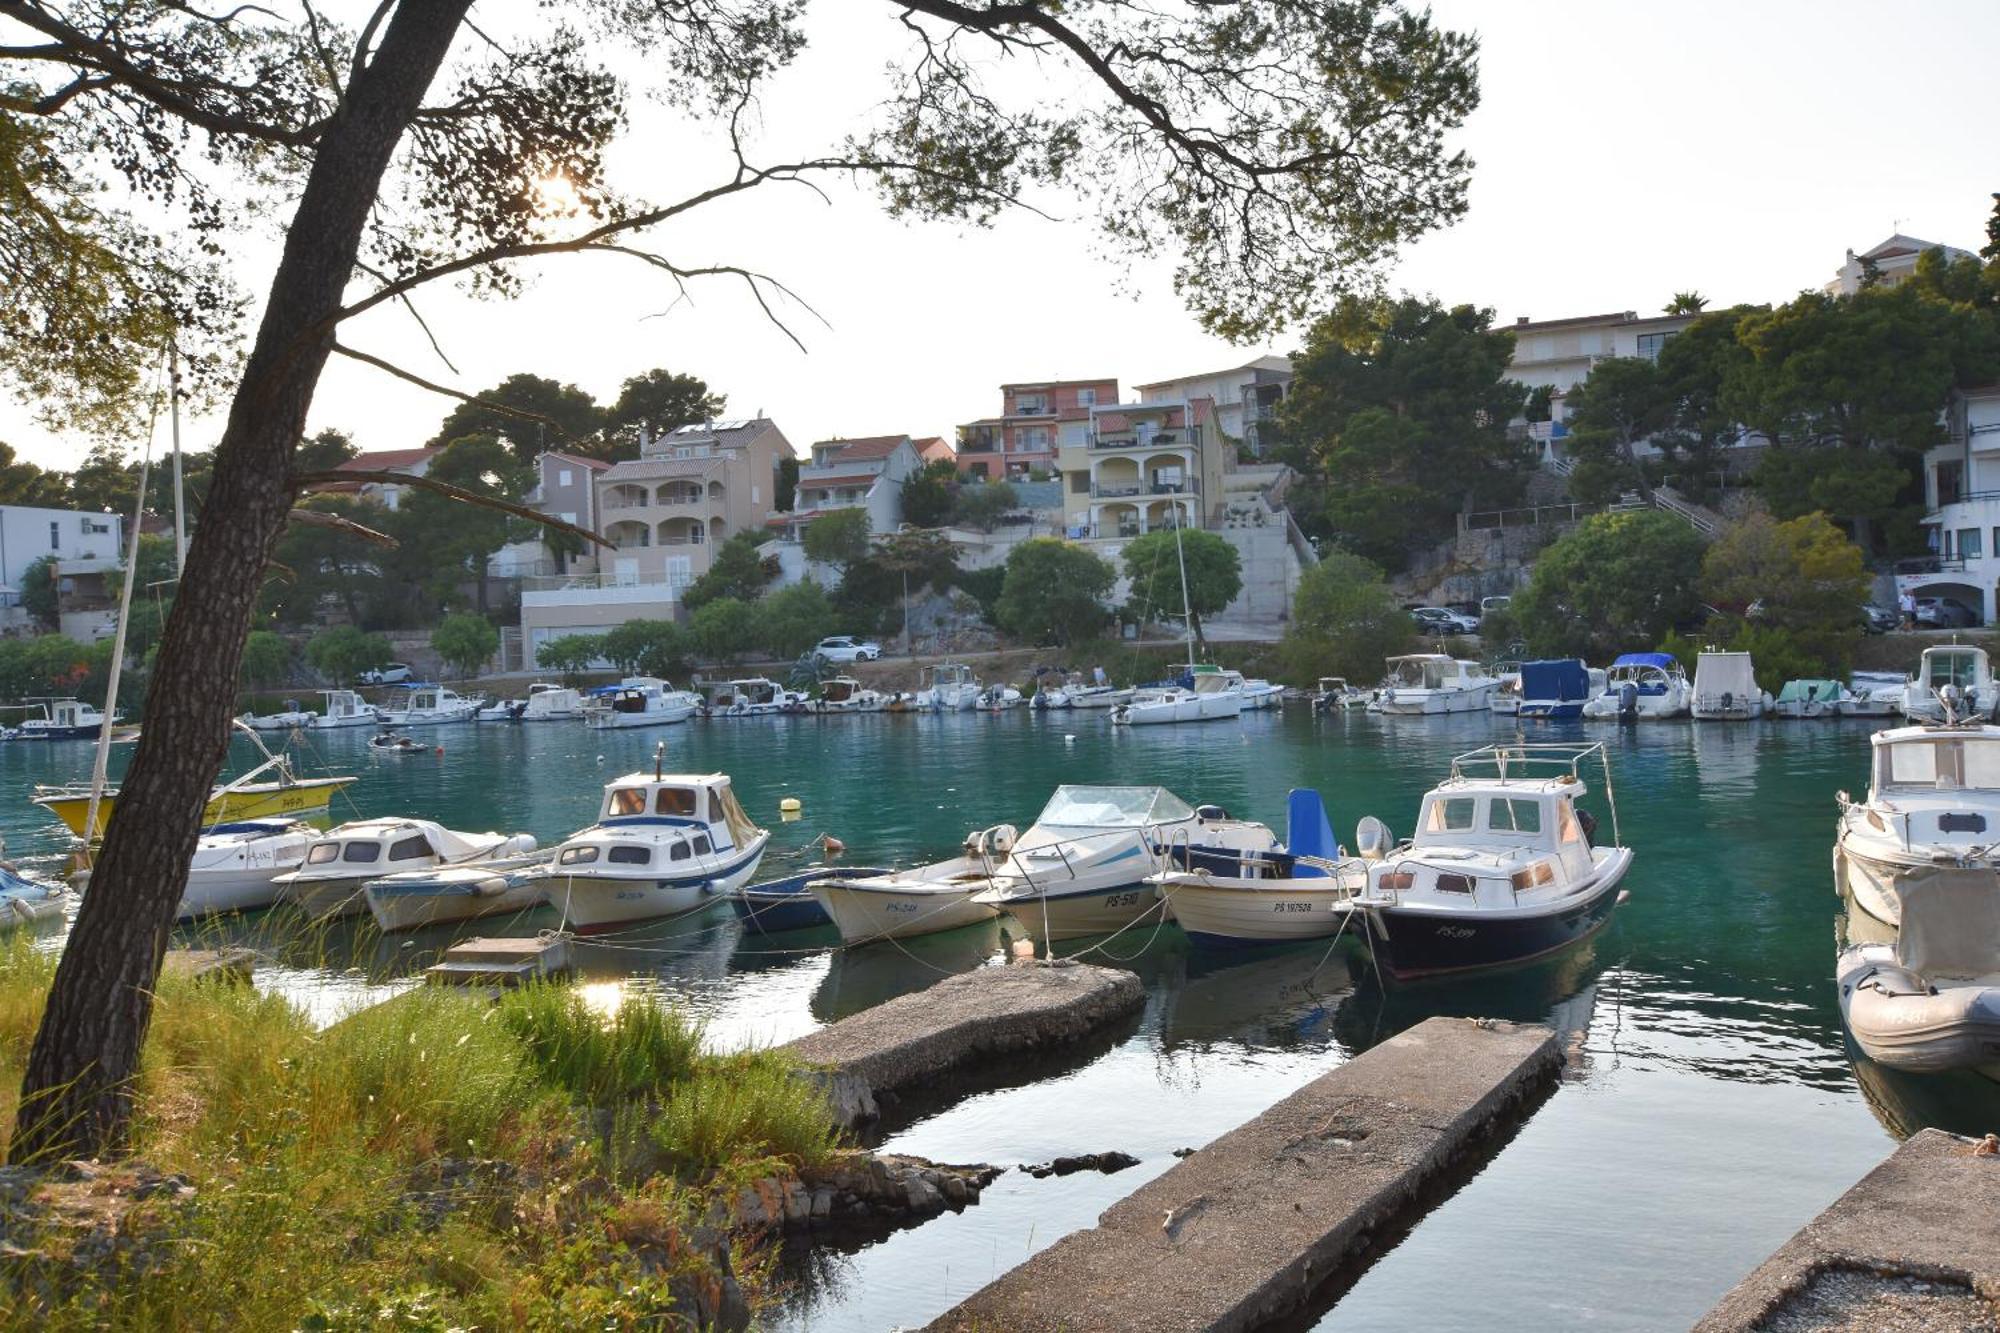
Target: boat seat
pixel 1950 922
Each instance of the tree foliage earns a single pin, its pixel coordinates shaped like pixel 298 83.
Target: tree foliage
pixel 655 402
pixel 1153 564
pixel 1346 621
pixel 1054 592
pixel 1617 584
pixel 344 652
pixel 465 642
pixel 1398 411
pixel 927 495
pixel 839 538
pixel 735 570
pixel 981 505
pixel 40 595
pixel 1624 401
pixel 267 660
pixel 793 619
pixel 571 654
pixel 449 540
pixel 1800 581
pixel 724 630
pixel 530 413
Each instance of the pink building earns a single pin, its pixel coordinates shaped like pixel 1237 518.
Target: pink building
pixel 1036 420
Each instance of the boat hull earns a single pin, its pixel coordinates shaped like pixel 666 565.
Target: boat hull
pixel 324 899
pixel 1904 1023
pixel 780 905
pixel 1410 943
pixel 450 898
pixel 1426 703
pixel 302 799
pixel 1229 916
pixel 1079 913
pixel 658 717
pixel 865 914
pixel 598 902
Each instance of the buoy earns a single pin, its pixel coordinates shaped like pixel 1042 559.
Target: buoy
pixel 1069 738
pixel 831 845
pixel 791 805
pixel 440 750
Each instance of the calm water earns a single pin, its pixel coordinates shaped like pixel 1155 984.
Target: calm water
pixel 1715 1111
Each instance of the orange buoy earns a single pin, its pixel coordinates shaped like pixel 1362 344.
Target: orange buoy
pixel 831 845
pixel 440 750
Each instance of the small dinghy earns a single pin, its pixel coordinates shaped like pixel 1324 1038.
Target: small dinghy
pixel 1232 894
pixel 788 904
pixel 390 742
pixel 412 898
pixel 922 901
pixel 1930 1002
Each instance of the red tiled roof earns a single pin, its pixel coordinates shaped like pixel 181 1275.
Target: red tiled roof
pixel 934 447
pixel 1204 409
pixel 386 460
pixel 827 483
pixel 862 449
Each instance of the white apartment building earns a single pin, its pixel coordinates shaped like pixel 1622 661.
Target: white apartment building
pixel 86 547
pixel 1244 398
pixel 1894 261
pixel 1962 497
pixel 1558 353
pixel 866 473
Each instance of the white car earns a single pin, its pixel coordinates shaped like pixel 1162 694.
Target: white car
pixel 393 673
pixel 846 648
pixel 1440 621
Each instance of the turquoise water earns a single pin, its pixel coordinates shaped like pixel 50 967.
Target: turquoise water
pixel 1714 1110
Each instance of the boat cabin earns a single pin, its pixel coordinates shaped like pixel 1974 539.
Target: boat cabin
pixel 1523 831
pixel 1932 759
pixel 697 800
pixel 839 689
pixel 1209 679
pixel 754 692
pixel 947 674
pixel 1431 671
pixel 343 705
pixel 367 848
pixel 65 715
pixel 1649 673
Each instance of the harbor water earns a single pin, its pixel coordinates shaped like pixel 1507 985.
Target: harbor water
pixel 1714 1109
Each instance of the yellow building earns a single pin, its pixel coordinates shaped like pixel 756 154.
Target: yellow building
pixel 1142 468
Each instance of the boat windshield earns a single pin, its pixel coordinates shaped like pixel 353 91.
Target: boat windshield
pixel 1943 667
pixel 1942 762
pixel 1113 807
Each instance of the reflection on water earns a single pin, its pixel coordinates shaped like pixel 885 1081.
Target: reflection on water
pixel 1706 1011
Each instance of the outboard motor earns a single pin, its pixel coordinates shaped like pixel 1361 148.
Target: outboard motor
pixel 1628 700
pixel 1210 814
pixel 1372 839
pixel 1948 701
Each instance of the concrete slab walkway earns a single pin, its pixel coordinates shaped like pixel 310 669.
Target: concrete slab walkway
pixel 1242 1232
pixel 1914 1245
pixel 917 1039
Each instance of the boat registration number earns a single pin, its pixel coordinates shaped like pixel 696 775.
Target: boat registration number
pixel 1291 907
pixel 1121 899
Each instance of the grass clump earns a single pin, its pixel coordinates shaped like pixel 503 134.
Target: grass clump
pixel 641 1049
pixel 749 1105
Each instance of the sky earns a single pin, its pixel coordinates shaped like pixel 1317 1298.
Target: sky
pixel 1624 152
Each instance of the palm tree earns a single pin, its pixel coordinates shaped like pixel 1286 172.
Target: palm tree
pixel 1687 303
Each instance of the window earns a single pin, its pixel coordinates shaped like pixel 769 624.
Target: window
pixel 1968 543
pixel 1086 398
pixel 1996 540
pixel 675 801
pixel 410 848
pixel 1511 816
pixel 55 535
pixel 1651 343
pixel 1950 482
pixel 629 856
pixel 1079 484
pixel 322 853
pixel 628 801
pixel 701 845
pixel 361 853
pixel 1452 815
pixel 564 476
pixel 1981 763
pixel 681 852
pixel 577 856
pixel 1913 761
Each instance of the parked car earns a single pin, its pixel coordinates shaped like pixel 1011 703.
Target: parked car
pixel 847 648
pixel 1878 619
pixel 1441 622
pixel 394 673
pixel 1945 613
pixel 1488 605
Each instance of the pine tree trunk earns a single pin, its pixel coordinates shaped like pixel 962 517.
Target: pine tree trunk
pixel 76 1096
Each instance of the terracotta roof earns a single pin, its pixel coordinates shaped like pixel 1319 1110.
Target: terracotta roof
pixel 1203 410
pixel 845 479
pixel 866 447
pixel 387 460
pixel 934 447
pixel 594 464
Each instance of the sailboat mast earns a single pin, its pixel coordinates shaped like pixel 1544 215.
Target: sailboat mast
pixel 1187 616
pixel 174 404
pixel 101 765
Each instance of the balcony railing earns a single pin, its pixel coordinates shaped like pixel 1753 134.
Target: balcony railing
pixel 1178 438
pixel 1128 489
pixel 1931 564
pixel 593 582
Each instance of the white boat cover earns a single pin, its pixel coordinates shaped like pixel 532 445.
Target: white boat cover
pixel 1951 922
pixel 1717 674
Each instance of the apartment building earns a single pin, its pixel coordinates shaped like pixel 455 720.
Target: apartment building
pixel 1037 420
pixel 1558 353
pixel 1893 261
pixel 1962 497
pixel 1245 397
pixel 866 473
pixel 1143 466
pixel 415 462
pixel 85 546
pixel 565 488
pixel 666 511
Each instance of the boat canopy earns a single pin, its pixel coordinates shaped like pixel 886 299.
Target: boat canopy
pixel 1938 760
pixel 1807 691
pixel 1719 674
pixel 1664 661
pixel 1558 680
pixel 1113 807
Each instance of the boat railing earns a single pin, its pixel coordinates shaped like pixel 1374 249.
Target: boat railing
pixel 1543 759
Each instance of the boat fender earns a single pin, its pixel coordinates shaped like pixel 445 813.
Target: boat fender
pixel 440 749
pixel 490 885
pixel 831 845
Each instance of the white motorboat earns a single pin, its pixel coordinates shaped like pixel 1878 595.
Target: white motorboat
pixel 344 858
pixel 1874 694
pixel 1929 1003
pixel 552 703
pixel 236 866
pixel 343 708
pixel 500 710
pixel 285 719
pixel 998 698
pixel 1933 799
pixel 1258 695
pixel 64 720
pixel 1080 691
pixel 1725 688
pixel 845 694
pixel 755 696
pixel 922 901
pixel 951 688
pixel 639 701
pixel 1260 891
pixel 1081 868
pixel 1432 683
pixel 412 898
pixel 1505 701
pixel 1503 868
pixel 1334 693
pixel 1643 687
pixel 1153 705
pixel 663 844
pixel 1962 666
pixel 1809 699
pixel 430 706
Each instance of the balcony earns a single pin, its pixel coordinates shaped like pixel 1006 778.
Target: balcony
pixel 1126 490
pixel 1180 437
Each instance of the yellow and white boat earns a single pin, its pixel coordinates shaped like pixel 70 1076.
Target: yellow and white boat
pixel 283 794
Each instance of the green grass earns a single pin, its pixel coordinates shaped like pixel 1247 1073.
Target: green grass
pixel 309 1150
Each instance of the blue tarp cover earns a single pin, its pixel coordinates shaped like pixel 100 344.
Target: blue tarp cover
pixel 1558 680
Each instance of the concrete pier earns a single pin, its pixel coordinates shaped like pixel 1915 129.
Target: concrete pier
pixel 1912 1246
pixel 971 1018
pixel 1247 1229
pixel 210 964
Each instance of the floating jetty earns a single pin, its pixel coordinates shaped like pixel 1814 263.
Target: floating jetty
pixel 916 1039
pixel 501 961
pixel 1913 1245
pixel 1249 1228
